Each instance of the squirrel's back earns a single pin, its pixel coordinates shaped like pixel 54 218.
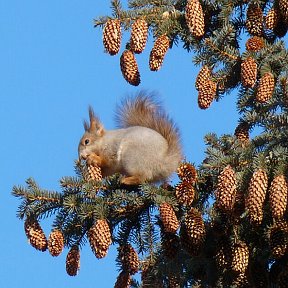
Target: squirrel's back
pixel 144 110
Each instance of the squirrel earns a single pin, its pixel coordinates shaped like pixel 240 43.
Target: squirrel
pixel 145 147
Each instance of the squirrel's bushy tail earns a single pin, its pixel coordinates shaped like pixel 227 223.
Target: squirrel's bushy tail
pixel 144 110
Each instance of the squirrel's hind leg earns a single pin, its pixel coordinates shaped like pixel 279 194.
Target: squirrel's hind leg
pixel 131 180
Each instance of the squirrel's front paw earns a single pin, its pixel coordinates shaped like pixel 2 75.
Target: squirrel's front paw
pixel 94 160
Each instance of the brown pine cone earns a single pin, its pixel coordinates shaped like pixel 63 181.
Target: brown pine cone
pixel 187 172
pixel 139 35
pixel 226 189
pixel 223 256
pixel 158 52
pixel 99 237
pixel 129 259
pixel 185 192
pixel 242 132
pixel 173 281
pixel 240 257
pixel 257 190
pixel 195 227
pixel 35 234
pixel 265 88
pixel 278 239
pixel 272 18
pixel 207 94
pixel 255 43
pixel 248 72
pixel 112 36
pixel 73 261
pixel 195 18
pixel 94 173
pixel 278 196
pixel 187 243
pixel 254 19
pixel 203 76
pixel 283 8
pixel 129 68
pixel 56 242
pixel 168 218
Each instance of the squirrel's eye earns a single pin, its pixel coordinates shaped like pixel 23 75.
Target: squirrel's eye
pixel 86 141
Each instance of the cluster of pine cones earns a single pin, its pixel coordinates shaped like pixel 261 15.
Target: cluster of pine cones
pixel 235 256
pixel 226 194
pixel 139 33
pixel 192 229
pixel 112 41
pixel 258 25
pixel 230 255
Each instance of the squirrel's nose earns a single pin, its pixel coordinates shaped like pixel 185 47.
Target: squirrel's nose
pixel 82 155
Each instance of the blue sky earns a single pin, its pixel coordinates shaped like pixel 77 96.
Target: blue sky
pixel 52 66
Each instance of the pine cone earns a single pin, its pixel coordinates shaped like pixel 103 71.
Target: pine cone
pixel 272 18
pixel 56 242
pixel 112 36
pixel 203 76
pixel 73 261
pixel 240 280
pixel 187 243
pixel 99 237
pixel 281 28
pixel 173 281
pixel 242 132
pixel 278 196
pixel 139 35
pixel 35 234
pixel 185 192
pixel 129 68
pixel 187 172
pixel 240 257
pixel 265 88
pixel 255 43
pixel 170 244
pixel 283 8
pixel 195 227
pixel 168 218
pixel 123 280
pixel 223 256
pixel 248 72
pixel 129 259
pixel 226 189
pixel 278 239
pixel 94 173
pixel 207 94
pixel 158 52
pixel 195 18
pixel 256 195
pixel 254 19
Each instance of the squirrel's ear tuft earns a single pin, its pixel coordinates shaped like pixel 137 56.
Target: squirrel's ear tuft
pixel 93 120
pixel 95 126
pixel 86 125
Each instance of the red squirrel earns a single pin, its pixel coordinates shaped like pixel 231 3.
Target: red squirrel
pixel 145 148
